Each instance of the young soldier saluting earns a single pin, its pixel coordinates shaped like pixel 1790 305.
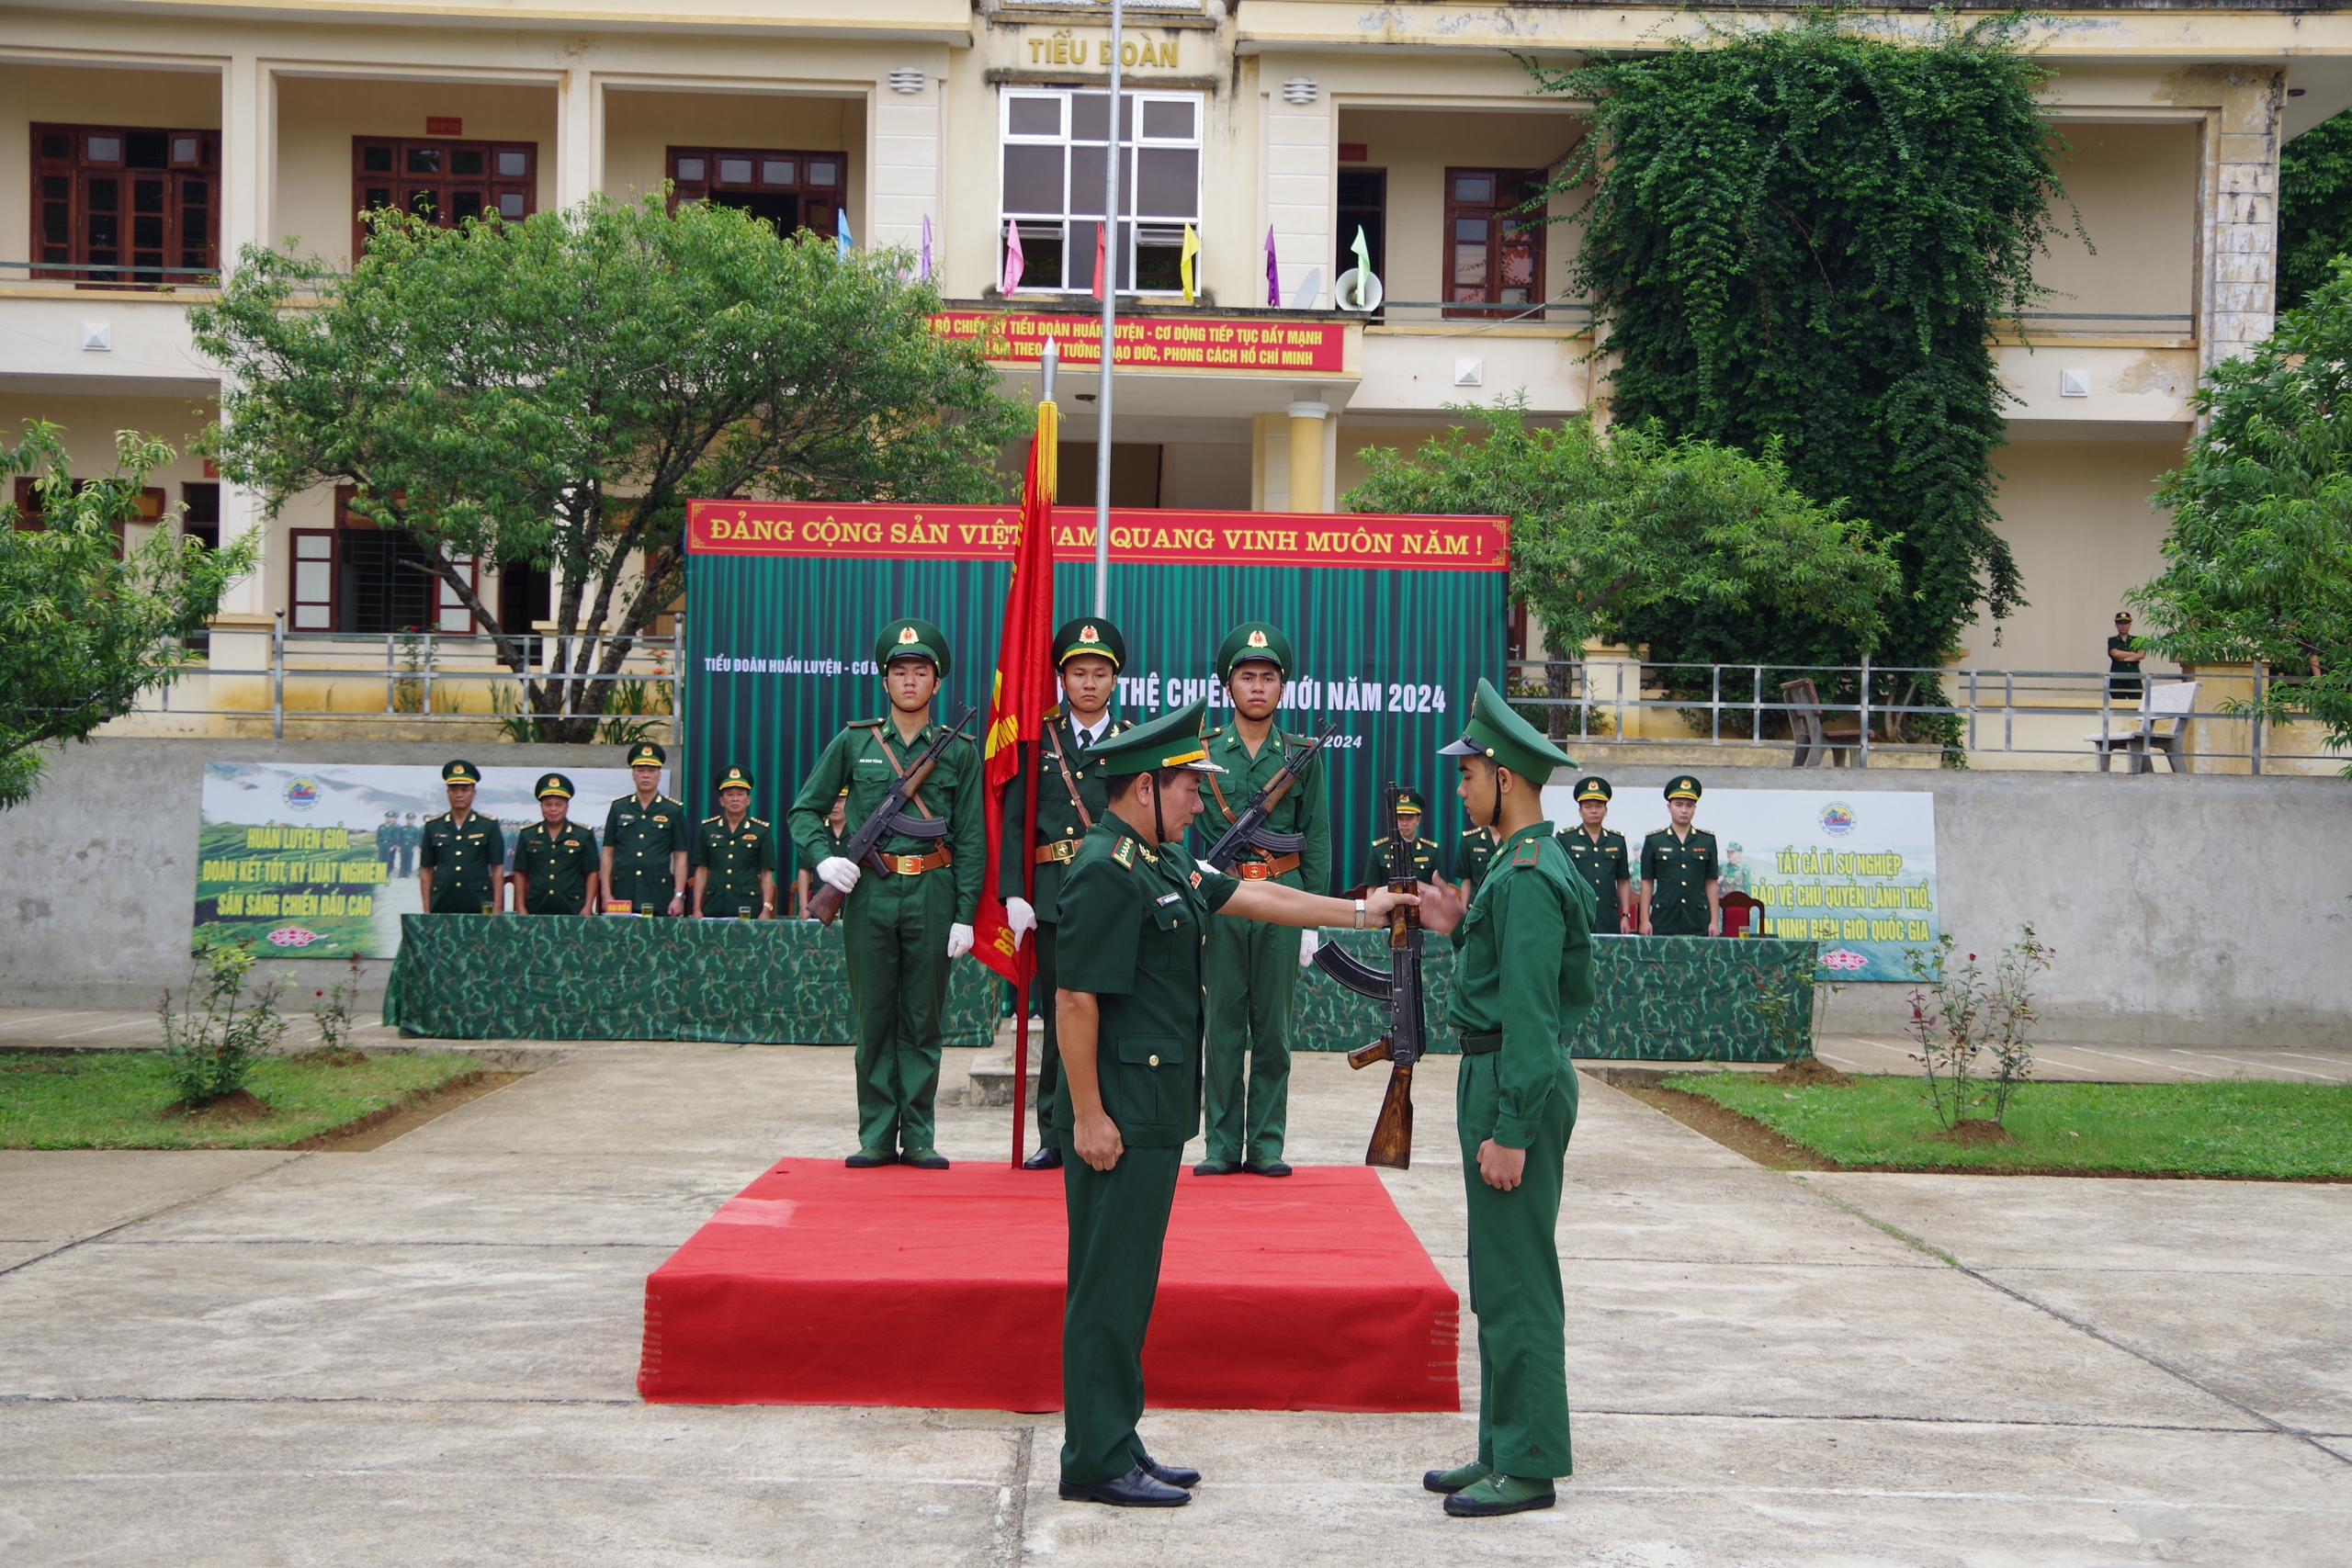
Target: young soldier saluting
pixel 1522 979
pixel 903 925
pixel 555 859
pixel 1088 653
pixel 461 863
pixel 1681 892
pixel 644 841
pixel 734 856
pixel 1132 910
pixel 1253 969
pixel 1410 811
pixel 1599 856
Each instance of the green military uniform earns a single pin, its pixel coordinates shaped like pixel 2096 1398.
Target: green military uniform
pixel 733 855
pixel 643 835
pixel 1737 876
pixel 466 857
pixel 1070 800
pixel 1602 860
pixel 1253 967
pixel 1679 870
pixel 1427 862
pixel 1522 979
pixel 894 923
pixel 1135 914
pixel 557 862
pixel 1476 850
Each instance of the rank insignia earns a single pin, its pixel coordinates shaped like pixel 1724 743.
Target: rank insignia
pixel 1125 854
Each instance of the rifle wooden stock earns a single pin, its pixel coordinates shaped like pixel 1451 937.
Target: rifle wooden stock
pixel 825 903
pixel 1392 1136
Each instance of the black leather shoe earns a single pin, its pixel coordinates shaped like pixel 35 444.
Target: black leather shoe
pixel 1271 1168
pixel 866 1159
pixel 925 1159
pixel 1181 1475
pixel 1046 1158
pixel 1137 1489
pixel 1215 1167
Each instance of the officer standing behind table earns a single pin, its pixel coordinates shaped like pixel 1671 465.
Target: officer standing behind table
pixel 734 856
pixel 1682 890
pixel 1132 906
pixel 1521 980
pixel 555 857
pixel 646 838
pixel 1088 654
pixel 1428 866
pixel 904 925
pixel 461 864
pixel 1252 967
pixel 1599 855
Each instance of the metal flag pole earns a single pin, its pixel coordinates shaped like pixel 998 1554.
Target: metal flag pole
pixel 1110 282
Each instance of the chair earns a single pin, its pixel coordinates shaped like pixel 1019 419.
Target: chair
pixel 1743 914
pixel 2157 724
pixel 1813 736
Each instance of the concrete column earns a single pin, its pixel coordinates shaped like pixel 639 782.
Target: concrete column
pixel 2242 215
pixel 1302 167
pixel 906 157
pixel 579 137
pixel 1307 422
pixel 248 187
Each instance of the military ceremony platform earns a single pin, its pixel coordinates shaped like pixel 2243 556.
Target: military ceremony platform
pixel 818 1285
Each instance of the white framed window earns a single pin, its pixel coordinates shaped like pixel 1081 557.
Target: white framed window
pixel 1051 170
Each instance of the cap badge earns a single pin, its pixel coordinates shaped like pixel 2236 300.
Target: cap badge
pixel 1257 640
pixel 906 633
pixel 1089 634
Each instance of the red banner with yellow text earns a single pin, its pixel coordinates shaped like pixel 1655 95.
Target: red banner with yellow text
pixel 1220 344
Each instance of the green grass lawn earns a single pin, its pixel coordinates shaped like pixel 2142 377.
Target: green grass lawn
pixel 117 1099
pixel 2240 1128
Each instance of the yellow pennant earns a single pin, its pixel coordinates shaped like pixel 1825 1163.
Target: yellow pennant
pixel 1184 266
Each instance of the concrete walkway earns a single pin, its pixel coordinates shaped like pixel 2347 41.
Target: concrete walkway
pixel 424 1354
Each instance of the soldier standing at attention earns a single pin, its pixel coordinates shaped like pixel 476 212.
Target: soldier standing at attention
pixel 646 839
pixel 1088 654
pixel 1681 892
pixel 555 857
pixel 904 924
pixel 1252 967
pixel 734 856
pixel 388 843
pixel 1427 864
pixel 1523 978
pixel 1599 854
pixel 412 835
pixel 461 865
pixel 1133 906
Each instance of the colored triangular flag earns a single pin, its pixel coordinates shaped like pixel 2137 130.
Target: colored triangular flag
pixel 1363 255
pixel 1184 266
pixel 1273 272
pixel 924 273
pixel 841 231
pixel 1014 262
pixel 1102 252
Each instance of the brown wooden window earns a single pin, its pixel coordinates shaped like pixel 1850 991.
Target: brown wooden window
pixel 791 190
pixel 125 206
pixel 358 577
pixel 446 181
pixel 28 517
pixel 1494 255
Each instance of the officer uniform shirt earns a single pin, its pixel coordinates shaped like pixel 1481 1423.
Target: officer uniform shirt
pixel 1524 971
pixel 462 859
pixel 1476 850
pixel 1427 863
pixel 1059 827
pixel 735 857
pixel 1602 865
pixel 1681 870
pixel 1305 808
pixel 559 863
pixel 1145 913
pixel 856 758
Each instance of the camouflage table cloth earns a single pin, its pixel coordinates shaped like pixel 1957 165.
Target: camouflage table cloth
pixel 1661 999
pixel 765 981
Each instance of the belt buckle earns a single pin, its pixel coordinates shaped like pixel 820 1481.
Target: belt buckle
pixel 1253 870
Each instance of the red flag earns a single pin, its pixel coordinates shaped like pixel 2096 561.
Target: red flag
pixel 1017 704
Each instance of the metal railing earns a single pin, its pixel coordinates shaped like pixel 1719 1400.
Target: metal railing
pixel 425 677
pixel 1876 708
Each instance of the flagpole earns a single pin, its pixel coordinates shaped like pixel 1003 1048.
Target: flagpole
pixel 1111 249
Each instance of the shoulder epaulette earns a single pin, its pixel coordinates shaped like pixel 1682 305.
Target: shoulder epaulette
pixel 1053 713
pixel 712 818
pixel 1528 853
pixel 1125 851
pixel 863 724
pixel 1212 733
pixel 757 821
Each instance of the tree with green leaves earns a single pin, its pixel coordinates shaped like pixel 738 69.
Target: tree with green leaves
pixel 2314 208
pixel 2258 560
pixel 86 625
pixel 1806 232
pixel 552 392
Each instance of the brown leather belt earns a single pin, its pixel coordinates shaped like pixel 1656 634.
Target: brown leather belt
pixel 1261 870
pixel 1060 850
pixel 915 866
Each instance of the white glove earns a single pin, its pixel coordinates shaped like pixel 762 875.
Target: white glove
pixel 960 941
pixel 1308 943
pixel 1206 869
pixel 1021 917
pixel 837 873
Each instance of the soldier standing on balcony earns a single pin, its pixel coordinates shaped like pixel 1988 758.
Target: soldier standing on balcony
pixel 646 840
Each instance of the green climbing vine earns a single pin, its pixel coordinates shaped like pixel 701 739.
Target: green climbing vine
pixel 1807 231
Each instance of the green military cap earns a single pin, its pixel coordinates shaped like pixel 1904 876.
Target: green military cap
pixel 646 754
pixel 1494 730
pixel 732 777
pixel 1593 788
pixel 553 784
pixel 1410 800
pixel 912 638
pixel 1171 740
pixel 1096 637
pixel 461 772
pixel 1682 786
pixel 1252 639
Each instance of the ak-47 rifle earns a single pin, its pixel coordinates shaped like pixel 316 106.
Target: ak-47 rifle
pixel 1248 830
pixel 890 818
pixel 1398 990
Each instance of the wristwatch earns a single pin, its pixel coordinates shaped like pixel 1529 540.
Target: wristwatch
pixel 1359 914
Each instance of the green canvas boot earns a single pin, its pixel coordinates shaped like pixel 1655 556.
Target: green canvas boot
pixel 1500 1495
pixel 1452 1480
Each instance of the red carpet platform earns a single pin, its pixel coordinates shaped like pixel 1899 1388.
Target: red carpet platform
pixel 818 1285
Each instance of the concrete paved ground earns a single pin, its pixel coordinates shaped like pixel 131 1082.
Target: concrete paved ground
pixel 424 1354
